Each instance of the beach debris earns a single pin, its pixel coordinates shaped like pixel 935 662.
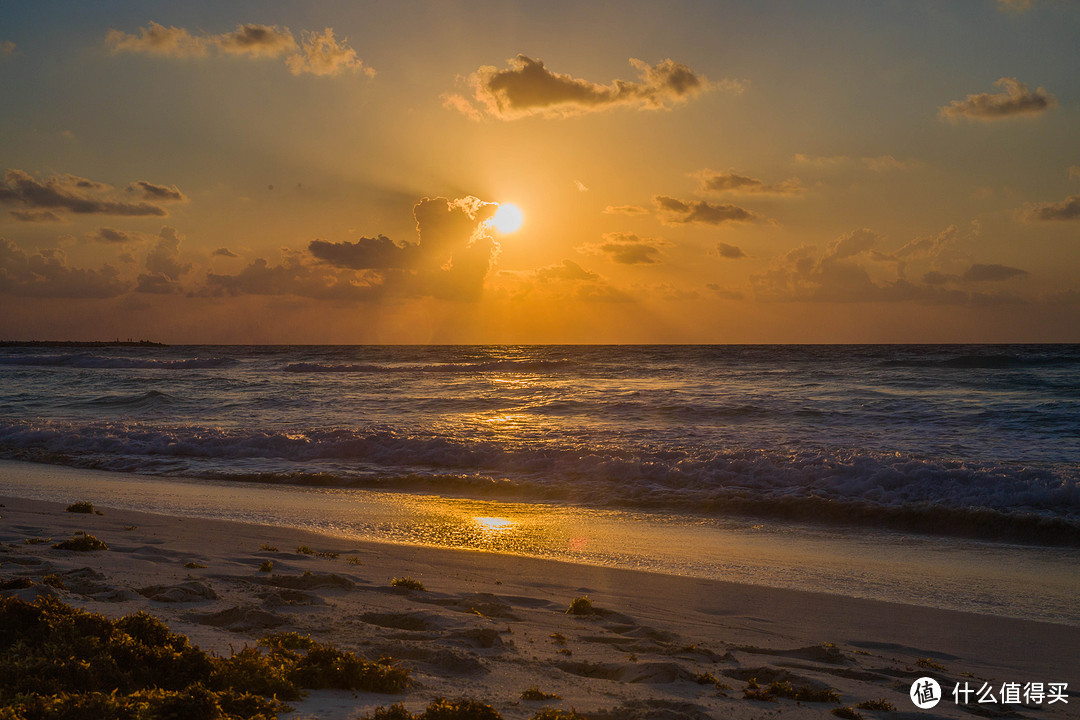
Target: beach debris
pixel 81 542
pixel 408 583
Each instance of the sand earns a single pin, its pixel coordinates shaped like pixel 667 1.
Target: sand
pixel 483 628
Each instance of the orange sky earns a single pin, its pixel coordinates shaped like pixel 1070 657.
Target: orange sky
pixel 268 172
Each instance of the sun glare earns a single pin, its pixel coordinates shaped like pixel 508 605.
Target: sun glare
pixel 508 218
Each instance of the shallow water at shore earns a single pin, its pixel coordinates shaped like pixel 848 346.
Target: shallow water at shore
pixel 990 578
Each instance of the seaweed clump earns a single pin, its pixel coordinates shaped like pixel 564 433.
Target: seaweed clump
pixel 440 709
pixel 803 693
pixel 81 543
pixel 58 662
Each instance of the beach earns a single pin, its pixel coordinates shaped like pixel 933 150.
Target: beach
pixel 488 626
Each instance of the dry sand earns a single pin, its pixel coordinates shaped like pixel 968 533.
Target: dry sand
pixel 484 626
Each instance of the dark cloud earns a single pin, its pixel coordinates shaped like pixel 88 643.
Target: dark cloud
pixel 158 193
pixel 1067 209
pixel 47 274
pixel 729 251
pixel 677 212
pixel 625 210
pixel 733 183
pixel 71 193
pixel 992 273
pixel 527 88
pixel 112 235
pixel 257 40
pixel 365 253
pixel 224 252
pixel 1017 99
pixel 36 216
pixel 627 248
pixel 294 277
pixel 450 260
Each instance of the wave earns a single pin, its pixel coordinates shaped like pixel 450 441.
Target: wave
pixel 141 401
pixel 1002 361
pixel 938 496
pixel 489 366
pixel 98 362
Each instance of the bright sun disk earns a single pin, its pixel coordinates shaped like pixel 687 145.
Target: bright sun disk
pixel 508 218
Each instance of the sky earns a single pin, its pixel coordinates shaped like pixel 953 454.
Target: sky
pixel 794 171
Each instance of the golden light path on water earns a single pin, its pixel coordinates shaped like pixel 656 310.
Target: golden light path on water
pixel 990 578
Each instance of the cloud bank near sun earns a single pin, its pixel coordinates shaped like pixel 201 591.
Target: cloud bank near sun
pixel 528 88
pixel 316 54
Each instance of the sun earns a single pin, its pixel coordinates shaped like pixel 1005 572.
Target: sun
pixel 508 218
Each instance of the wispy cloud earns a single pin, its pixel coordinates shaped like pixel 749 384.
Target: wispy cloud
pixel 1015 100
pixel 625 210
pixel 7 48
pixel 627 248
pixel 1015 5
pixel 733 183
pixel 527 87
pixel 322 55
pixel 317 54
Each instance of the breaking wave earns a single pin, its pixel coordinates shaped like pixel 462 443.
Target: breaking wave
pixel 108 363
pixel 938 496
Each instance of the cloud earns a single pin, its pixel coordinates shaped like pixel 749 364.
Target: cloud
pixel 581 187
pixel 677 212
pixel 46 274
pixel 322 55
pixel 451 259
pixel 7 48
pixel 1074 172
pixel 365 253
pixel 733 183
pixel 1017 100
pixel 257 41
pixel 317 54
pixel 73 194
pixel 164 258
pixel 528 88
pixel 627 248
pixel 625 210
pixel 991 273
pixel 566 271
pixel 1015 5
pixel 35 216
pixel 114 236
pixel 224 252
pixel 729 251
pixel 880 163
pixel 158 193
pixel 853 269
pixel 1067 209
pixel 157 39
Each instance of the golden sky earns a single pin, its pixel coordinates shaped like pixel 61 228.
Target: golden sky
pixel 327 172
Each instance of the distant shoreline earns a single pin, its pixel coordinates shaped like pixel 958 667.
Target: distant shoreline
pixel 80 344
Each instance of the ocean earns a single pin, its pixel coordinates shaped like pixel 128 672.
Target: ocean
pixel 944 476
pixel 976 441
